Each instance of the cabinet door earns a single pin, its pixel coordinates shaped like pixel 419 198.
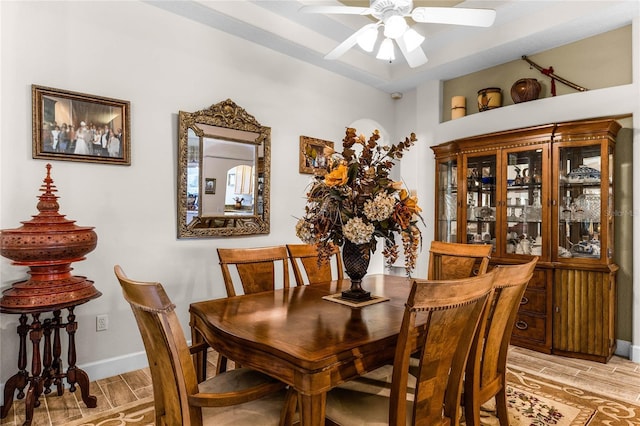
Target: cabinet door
pixel 481 200
pixel 447 200
pixel 583 212
pixel 524 209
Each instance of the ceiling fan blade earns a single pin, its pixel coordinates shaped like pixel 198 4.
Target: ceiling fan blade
pixel 415 57
pixel 348 43
pixel 345 10
pixel 454 15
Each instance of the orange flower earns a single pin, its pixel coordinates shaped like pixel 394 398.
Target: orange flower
pixel 337 177
pixel 411 203
pixel 405 209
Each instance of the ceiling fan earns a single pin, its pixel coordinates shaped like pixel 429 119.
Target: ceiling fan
pixel 391 15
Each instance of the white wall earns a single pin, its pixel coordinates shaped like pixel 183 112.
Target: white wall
pixel 161 64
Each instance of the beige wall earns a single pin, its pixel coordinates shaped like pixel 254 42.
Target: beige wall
pixel 594 63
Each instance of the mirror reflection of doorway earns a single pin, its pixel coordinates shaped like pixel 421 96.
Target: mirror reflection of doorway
pixel 239 197
pixel 231 162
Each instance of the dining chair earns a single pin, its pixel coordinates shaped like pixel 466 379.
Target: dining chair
pixel 448 261
pixel 305 257
pixel 256 268
pixel 235 397
pixel 487 365
pixel 442 315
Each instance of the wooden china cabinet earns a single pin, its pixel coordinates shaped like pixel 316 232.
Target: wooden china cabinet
pixel 543 191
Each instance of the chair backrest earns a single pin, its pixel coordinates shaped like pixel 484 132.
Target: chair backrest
pixel 452 310
pixel 256 268
pixel 172 370
pixel 305 256
pixel 488 356
pixel 450 261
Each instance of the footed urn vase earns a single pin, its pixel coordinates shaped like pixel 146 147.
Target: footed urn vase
pixel 356 262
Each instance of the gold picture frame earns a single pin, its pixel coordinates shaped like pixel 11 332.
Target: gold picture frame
pixel 313 159
pixel 73 126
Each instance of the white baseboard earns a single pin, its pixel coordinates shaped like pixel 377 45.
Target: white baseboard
pixel 623 349
pixel 633 352
pixel 628 350
pixel 113 366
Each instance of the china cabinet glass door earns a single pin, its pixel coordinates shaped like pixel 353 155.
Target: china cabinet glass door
pixel 481 199
pixel 585 188
pixel 447 215
pixel 524 213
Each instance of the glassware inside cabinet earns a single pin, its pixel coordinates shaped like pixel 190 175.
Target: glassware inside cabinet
pixel 481 200
pixel 524 203
pixel 448 200
pixel 580 214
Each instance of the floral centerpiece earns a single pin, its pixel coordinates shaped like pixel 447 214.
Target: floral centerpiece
pixel 356 202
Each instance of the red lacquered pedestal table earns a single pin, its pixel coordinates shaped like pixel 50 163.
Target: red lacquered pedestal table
pixel 47 244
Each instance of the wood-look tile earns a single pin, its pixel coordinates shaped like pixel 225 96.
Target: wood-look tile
pixel 9 420
pixel 136 379
pixel 40 414
pixel 117 391
pixel 611 384
pixel 597 384
pixel 618 378
pixel 624 365
pixel 63 408
pixel 144 392
pixel 102 403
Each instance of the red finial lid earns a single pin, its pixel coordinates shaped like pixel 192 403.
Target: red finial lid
pixel 47 244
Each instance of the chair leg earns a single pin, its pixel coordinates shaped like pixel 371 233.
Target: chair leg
pixel 501 406
pixel 221 365
pixel 472 408
pixel 289 407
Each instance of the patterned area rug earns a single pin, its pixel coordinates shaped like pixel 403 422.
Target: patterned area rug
pixel 532 400
pixel 536 401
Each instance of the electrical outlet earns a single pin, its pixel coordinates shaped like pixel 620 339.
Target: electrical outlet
pixel 102 322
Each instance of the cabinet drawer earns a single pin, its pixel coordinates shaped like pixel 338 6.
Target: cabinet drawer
pixel 534 301
pixel 530 327
pixel 539 279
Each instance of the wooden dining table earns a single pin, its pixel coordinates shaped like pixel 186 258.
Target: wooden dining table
pixel 307 342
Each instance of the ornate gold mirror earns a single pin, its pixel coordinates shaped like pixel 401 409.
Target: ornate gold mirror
pixel 224 160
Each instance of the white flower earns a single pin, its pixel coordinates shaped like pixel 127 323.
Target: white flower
pixel 358 232
pixel 380 208
pixel 304 232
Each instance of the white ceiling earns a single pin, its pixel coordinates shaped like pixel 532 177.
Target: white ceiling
pixel 521 28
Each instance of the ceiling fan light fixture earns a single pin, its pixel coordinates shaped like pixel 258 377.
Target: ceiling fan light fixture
pixel 395 26
pixel 368 38
pixel 412 39
pixel 386 52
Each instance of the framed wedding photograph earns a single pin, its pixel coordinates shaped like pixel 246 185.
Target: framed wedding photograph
pixel 313 156
pixel 73 126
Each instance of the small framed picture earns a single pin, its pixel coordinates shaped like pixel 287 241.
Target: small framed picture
pixel 314 155
pixel 209 185
pixel 74 126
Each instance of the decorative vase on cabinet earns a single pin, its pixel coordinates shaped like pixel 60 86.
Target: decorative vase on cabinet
pixel 570 164
pixel 525 90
